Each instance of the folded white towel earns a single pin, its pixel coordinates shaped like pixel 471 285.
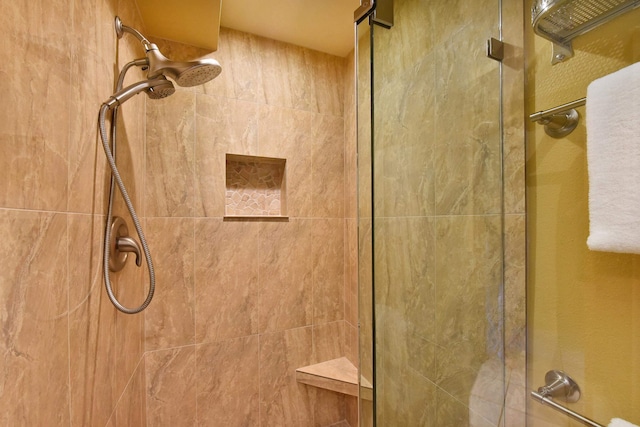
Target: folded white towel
pixel 617 422
pixel 613 155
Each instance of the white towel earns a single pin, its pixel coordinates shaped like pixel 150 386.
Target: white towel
pixel 613 155
pixel 617 422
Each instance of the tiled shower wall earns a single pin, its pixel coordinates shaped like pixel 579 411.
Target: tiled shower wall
pixel 239 304
pixel 242 303
pixel 68 358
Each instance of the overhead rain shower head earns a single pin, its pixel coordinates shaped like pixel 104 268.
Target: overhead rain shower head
pixel 156 89
pixel 186 74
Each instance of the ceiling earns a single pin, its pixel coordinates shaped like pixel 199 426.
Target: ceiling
pixel 325 25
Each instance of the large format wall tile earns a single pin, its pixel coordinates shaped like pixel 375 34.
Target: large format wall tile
pixel 288 134
pixel 223 126
pixel 35 114
pixel 468 152
pixel 92 329
pixel 170 318
pixel 226 279
pixel 170 155
pixel 241 78
pixel 228 377
pixel 171 387
pixel 286 275
pixel 301 79
pixel 328 270
pixel 283 401
pixel 34 301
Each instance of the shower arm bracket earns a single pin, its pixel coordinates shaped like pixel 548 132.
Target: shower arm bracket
pixel 121 29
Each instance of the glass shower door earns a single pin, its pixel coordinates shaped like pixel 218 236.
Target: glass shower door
pixel 431 217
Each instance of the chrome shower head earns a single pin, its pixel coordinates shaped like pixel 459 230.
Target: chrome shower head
pixel 186 74
pixel 155 88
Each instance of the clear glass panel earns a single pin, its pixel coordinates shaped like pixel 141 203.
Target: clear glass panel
pixel 432 231
pixel 365 259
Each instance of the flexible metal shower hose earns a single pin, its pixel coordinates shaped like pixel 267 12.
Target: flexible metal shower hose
pixel 115 175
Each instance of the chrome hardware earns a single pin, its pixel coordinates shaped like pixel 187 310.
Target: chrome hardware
pixel 121 244
pixel 495 49
pixel 559 121
pixel 560 386
pixel 560 21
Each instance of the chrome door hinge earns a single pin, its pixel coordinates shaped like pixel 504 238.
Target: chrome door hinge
pixel 495 49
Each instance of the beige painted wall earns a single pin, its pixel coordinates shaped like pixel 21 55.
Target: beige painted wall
pixel 583 306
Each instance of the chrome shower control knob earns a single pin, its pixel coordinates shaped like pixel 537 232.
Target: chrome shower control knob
pixel 120 245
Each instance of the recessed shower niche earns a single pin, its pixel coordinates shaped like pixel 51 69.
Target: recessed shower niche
pixel 255 187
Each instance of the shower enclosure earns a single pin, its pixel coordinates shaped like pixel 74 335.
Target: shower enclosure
pixel 440 215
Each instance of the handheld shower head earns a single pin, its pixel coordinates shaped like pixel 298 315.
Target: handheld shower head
pixel 186 74
pixel 155 88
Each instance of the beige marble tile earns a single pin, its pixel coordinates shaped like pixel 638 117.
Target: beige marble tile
pixel 130 287
pixel 406 287
pixel 34 300
pixel 291 134
pixel 327 159
pixel 228 389
pixel 328 341
pixel 286 274
pixel 131 408
pixel 239 54
pixel 515 286
pixel 34 116
pixel 328 269
pixel 93 43
pixel 513 16
pixel 226 269
pixel 365 300
pixel 170 161
pixel 328 407
pixel 453 413
pixel 302 79
pixel 411 39
pixel 328 81
pixel 469 299
pixel 351 271
pixel 408 399
pixel 468 155
pixel 92 329
pixel 468 267
pixel 282 400
pixel 351 344
pixel 130 155
pixel 404 140
pixel 223 126
pixel 171 386
pixel 351 410
pixel 170 318
pixel 350 140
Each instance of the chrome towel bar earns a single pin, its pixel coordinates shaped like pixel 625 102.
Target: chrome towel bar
pixel 559 121
pixel 547 401
pixel 563 387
